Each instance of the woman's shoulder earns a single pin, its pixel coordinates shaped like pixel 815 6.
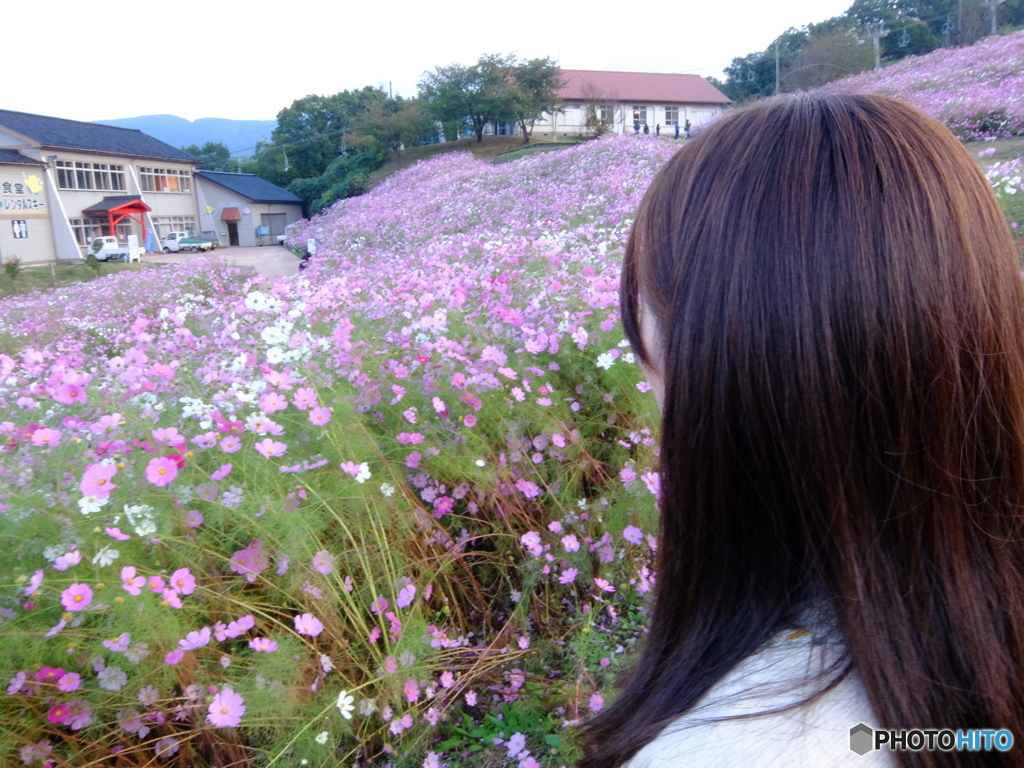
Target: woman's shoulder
pixel 727 728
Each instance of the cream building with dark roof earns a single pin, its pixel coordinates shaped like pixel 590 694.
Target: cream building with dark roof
pixel 65 182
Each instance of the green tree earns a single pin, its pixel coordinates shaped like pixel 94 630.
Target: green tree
pixel 396 123
pixel 213 156
pixel 536 83
pixel 481 93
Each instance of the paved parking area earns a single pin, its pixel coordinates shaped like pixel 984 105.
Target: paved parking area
pixel 271 260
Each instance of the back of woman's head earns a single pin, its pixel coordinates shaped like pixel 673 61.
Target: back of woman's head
pixel 840 330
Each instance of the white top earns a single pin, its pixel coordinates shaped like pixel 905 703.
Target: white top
pixel 810 735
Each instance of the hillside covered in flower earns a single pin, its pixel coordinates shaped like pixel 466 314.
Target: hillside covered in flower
pixel 976 91
pixel 398 509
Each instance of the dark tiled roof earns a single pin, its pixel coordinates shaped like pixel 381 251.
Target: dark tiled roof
pixel 638 87
pixel 71 134
pixel 113 201
pixel 251 186
pixel 14 156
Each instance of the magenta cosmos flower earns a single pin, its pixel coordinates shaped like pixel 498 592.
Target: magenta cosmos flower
pixel 308 624
pixel 226 709
pixel 269 448
pixel 161 471
pixel 97 480
pixel 183 582
pixel 76 597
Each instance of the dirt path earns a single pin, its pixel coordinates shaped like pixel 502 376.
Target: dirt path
pixel 270 260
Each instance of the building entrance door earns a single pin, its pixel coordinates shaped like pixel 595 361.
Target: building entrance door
pixel 232 232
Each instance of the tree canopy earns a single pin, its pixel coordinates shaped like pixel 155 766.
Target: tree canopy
pixel 498 88
pixel 213 156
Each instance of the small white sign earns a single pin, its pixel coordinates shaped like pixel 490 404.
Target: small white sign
pixel 311 246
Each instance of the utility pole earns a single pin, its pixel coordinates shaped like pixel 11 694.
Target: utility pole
pixel 776 66
pixel 878 31
pixel 992 11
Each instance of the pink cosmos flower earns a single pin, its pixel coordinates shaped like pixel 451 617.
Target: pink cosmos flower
pixel 195 639
pixel 221 473
pixel 58 715
pixel 323 562
pixel 96 481
pixel 174 657
pixel 571 543
pixel 653 482
pixel 632 534
pixel 304 398
pixel 250 561
pixel 69 682
pixel 49 674
pixel 405 596
pixel 46 437
pixel 193 518
pixel 70 393
pixel 320 415
pixel 269 448
pixel 226 709
pixel 115 533
pixel 411 690
pixel 76 597
pixel 65 561
pixel 568 576
pixel 119 644
pixel 161 471
pixel 239 627
pixel 413 460
pixel 469 420
pixel 230 444
pixel 79 715
pixel 156 584
pixel 171 598
pixel 604 585
pixel 183 582
pixel 596 703
pixel 34 582
pixel 272 402
pixel 308 624
pixel 627 475
pixel 263 645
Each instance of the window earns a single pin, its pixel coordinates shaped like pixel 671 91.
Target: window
pixel 87 230
pixel 640 115
pixel 165 180
pixel 166 224
pixel 671 115
pixel 100 176
pixel 606 114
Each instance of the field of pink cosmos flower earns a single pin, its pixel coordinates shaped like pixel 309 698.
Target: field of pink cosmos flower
pixel 976 91
pixel 398 509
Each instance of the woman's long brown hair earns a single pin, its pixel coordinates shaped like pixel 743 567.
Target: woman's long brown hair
pixel 841 319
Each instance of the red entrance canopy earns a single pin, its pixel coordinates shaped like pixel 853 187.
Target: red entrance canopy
pixel 118 208
pixel 230 214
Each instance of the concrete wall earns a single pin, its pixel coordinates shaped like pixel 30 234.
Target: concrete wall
pixel 572 122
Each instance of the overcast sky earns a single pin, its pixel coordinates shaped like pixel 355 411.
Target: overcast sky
pixel 248 60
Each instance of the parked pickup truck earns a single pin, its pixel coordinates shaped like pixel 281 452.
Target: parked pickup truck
pixel 108 249
pixel 182 241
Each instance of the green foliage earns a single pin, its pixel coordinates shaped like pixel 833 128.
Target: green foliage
pixel 480 93
pixel 213 156
pixel 12 267
pixel 536 84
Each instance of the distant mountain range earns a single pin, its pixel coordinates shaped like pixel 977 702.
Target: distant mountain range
pixel 239 136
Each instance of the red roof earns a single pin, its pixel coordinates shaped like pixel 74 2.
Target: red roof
pixel 638 87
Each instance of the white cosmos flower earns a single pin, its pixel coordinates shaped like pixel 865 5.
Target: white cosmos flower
pixel 346 705
pixel 105 557
pixel 605 360
pixel 364 473
pixel 387 489
pixel 321 738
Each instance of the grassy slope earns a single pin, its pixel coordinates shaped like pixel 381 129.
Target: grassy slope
pixel 1006 149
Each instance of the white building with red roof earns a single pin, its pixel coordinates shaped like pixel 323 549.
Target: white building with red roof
pixel 627 101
